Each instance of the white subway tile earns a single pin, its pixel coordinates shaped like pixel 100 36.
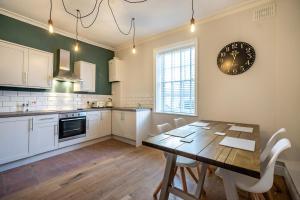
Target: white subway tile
pixel 17 99
pixel 4 98
pixel 10 93
pixel 4 109
pixel 1 92
pixel 42 98
pixel 29 98
pixel 23 94
pixel 9 103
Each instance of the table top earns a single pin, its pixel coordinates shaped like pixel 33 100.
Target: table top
pixel 205 147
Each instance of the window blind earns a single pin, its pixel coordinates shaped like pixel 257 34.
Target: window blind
pixel 175 80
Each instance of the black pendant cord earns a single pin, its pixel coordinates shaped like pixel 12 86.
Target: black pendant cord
pixel 77 18
pixel 93 21
pixel 193 9
pixel 50 9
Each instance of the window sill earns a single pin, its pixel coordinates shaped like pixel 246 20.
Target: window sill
pixel 180 114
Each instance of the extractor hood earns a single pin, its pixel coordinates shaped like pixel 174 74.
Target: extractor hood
pixel 64 70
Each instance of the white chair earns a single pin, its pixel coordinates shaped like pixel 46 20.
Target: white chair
pixel 179 122
pixel 181 162
pixel 271 142
pixel 255 186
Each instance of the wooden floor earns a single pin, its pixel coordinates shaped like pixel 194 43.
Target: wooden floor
pixel 109 170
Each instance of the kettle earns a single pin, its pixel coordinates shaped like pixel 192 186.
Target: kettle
pixel 109 103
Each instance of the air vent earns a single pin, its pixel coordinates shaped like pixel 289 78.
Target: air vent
pixel 265 11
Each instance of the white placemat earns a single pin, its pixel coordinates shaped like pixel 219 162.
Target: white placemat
pixel 199 124
pixel 241 129
pixel 248 145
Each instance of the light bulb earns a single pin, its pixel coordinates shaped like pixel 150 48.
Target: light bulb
pixel 76 47
pixel 193 25
pixel 51 30
pixel 133 49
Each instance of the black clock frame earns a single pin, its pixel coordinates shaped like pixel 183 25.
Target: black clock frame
pixel 236 58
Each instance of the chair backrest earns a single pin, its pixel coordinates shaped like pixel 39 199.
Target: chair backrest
pixel 161 128
pixel 179 122
pixel 274 138
pixel 266 181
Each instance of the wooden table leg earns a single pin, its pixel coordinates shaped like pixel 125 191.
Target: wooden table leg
pixel 201 180
pixel 168 176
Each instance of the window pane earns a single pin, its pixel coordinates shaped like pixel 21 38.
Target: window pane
pixel 175 84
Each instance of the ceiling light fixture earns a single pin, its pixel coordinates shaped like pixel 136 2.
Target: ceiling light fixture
pixel 97 5
pixel 50 23
pixel 192 20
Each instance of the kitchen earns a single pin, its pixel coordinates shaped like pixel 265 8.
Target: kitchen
pixel 97 98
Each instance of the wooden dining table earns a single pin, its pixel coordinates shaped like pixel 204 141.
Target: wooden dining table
pixel 206 149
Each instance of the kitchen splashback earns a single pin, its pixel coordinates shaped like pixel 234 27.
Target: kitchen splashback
pixel 11 101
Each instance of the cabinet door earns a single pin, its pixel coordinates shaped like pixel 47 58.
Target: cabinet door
pixel 13 64
pixel 40 66
pixel 44 136
pixel 93 125
pixel 117 120
pixel 87 73
pixel 129 125
pixel 105 123
pixel 14 140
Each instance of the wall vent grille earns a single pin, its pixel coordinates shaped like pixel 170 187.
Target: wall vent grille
pixel 265 11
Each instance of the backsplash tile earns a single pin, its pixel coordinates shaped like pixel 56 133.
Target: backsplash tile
pixel 11 101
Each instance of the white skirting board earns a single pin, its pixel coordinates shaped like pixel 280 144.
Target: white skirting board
pixel 42 156
pixel 125 140
pixel 281 170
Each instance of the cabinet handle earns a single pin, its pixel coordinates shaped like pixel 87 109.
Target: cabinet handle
pixel 32 124
pixel 101 115
pixel 49 118
pixel 88 124
pixel 55 129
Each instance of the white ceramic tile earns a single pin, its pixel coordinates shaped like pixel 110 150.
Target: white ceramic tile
pixel 23 94
pixel 17 98
pixel 4 98
pixel 10 93
pixel 4 109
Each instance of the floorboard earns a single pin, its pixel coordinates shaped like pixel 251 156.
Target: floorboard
pixel 109 170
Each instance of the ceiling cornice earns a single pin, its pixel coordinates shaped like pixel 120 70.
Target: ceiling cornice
pixel 223 13
pixel 45 26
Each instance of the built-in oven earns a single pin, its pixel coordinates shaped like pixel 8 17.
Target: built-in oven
pixel 72 125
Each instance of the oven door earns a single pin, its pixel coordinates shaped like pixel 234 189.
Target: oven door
pixel 71 128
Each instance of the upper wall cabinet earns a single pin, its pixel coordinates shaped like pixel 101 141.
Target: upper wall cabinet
pixel 87 73
pixel 40 69
pixel 115 66
pixel 25 67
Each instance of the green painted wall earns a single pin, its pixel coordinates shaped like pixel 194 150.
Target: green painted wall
pixel 25 34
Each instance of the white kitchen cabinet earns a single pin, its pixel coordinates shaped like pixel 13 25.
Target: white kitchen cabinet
pixel 105 123
pixel 87 73
pixel 13 64
pixel 44 134
pixel 115 67
pixel 40 69
pixel 14 138
pixel 133 125
pixel 93 124
pixel 22 66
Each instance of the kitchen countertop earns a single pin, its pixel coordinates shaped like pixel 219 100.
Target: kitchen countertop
pixel 49 112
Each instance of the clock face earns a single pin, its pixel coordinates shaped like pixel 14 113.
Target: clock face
pixel 236 58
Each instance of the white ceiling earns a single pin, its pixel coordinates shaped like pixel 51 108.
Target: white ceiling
pixel 152 17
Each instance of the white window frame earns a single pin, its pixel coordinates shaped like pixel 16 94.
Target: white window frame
pixel 171 47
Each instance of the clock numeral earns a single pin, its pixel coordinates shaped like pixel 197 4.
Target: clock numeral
pixel 227 49
pixel 247 62
pixel 248 50
pixel 249 55
pixel 242 68
pixel 242 45
pixel 234 46
pixel 234 71
pixel 223 54
pixel 221 60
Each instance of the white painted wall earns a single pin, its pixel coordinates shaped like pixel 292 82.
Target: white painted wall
pixel 267 94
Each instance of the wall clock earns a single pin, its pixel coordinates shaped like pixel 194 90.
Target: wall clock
pixel 236 58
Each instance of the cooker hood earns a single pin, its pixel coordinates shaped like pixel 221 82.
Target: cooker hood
pixel 64 70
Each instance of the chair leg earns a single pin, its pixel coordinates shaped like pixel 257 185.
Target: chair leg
pixel 158 188
pixel 192 174
pixel 183 180
pixel 269 195
pixel 156 191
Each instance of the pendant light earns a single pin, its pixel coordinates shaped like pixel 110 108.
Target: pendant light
pixel 192 23
pixel 50 23
pixel 133 38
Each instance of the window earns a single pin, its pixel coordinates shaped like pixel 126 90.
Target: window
pixel 176 79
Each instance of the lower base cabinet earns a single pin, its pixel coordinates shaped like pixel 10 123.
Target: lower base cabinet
pixel 132 125
pixel 44 134
pixel 98 124
pixel 14 142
